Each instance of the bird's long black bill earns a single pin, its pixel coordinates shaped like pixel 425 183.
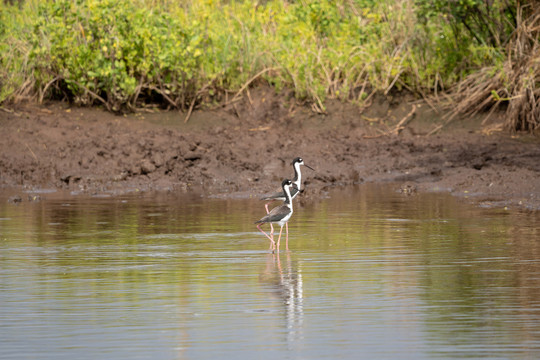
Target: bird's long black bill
pixel 309 167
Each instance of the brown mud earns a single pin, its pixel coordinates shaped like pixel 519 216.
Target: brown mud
pixel 245 148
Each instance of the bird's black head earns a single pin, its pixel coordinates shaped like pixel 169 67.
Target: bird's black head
pixel 286 182
pixel 300 161
pixel 297 160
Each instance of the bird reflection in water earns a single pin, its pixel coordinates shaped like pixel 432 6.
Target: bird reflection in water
pixel 285 281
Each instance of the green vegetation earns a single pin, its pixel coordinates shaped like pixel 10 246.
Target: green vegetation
pixel 125 54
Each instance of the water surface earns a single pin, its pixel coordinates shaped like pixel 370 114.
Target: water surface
pixel 371 274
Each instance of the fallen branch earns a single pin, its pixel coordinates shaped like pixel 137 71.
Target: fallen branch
pixel 260 128
pixel 396 129
pixel 249 82
pixel 93 94
pixel 165 96
pixel 34 155
pixel 46 87
pixel 190 110
pixel 401 125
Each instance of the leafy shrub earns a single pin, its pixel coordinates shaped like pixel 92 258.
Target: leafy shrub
pixel 16 77
pixel 125 54
pixel 112 51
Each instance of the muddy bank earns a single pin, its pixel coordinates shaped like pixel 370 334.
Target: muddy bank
pixel 244 149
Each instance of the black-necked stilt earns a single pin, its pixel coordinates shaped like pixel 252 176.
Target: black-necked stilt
pixel 279 194
pixel 279 215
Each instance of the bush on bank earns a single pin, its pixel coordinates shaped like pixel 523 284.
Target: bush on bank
pixel 125 54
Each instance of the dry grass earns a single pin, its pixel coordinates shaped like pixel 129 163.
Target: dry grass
pixel 514 86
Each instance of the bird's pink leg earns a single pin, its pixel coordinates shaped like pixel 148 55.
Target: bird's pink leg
pixel 268 212
pixel 279 238
pixel 287 233
pixel 271 238
pixel 272 244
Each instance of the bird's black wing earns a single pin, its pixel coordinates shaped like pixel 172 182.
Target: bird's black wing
pixel 276 194
pixel 275 215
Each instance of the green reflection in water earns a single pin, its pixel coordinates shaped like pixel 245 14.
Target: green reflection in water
pixel 370 271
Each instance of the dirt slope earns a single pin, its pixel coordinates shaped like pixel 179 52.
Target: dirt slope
pixel 244 149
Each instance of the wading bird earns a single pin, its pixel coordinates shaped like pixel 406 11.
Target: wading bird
pixel 279 215
pixel 297 182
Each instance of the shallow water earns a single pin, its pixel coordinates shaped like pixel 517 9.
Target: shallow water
pixel 371 274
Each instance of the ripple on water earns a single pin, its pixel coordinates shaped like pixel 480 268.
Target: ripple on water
pixel 370 272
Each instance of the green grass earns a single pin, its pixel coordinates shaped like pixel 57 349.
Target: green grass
pixel 125 54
